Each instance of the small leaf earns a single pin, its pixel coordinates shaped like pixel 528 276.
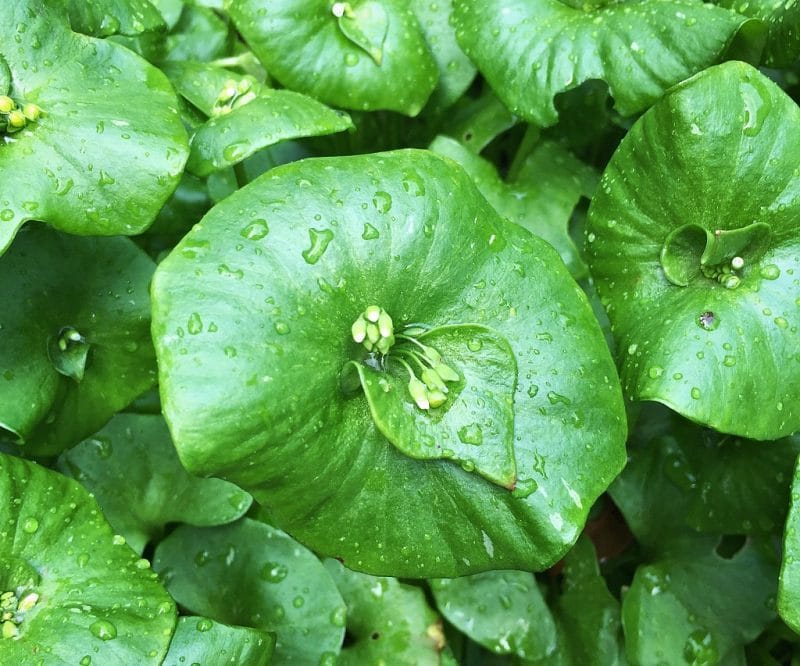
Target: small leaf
pixel 502 610
pixel 132 469
pixel 389 621
pixel 254 575
pixel 475 425
pixel 273 116
pixel 74 335
pixel 366 25
pixel 199 640
pixel 87 593
pixel 783 28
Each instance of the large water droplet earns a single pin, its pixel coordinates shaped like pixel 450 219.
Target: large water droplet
pixel 320 239
pixel 30 525
pixel 103 629
pixel 274 572
pixel 256 230
pixel 194 325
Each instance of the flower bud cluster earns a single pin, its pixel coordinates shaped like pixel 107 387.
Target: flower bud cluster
pixel 15 116
pixel 374 329
pixel 13 609
pixel 725 274
pixel 233 95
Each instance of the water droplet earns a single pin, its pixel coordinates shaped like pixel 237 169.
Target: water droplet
pixel 339 617
pixel 695 393
pixel 204 624
pixel 382 202
pixel 632 348
pixel 781 322
pixel 105 179
pixel 6 214
pixel 202 558
pixel 708 321
pixel 370 232
pixel 103 629
pixel 236 152
pixel 729 361
pixel 118 540
pixel 525 487
pixel 700 649
pixel 533 390
pixel 655 372
pixel 230 352
pixel 351 59
pixel 557 398
pixel 256 230
pixel 320 239
pixel 274 572
pixel 474 344
pixel 195 324
pixel 30 525
pixel 85 661
pixel 281 327
pixel 471 434
pixel 298 602
pixel 770 272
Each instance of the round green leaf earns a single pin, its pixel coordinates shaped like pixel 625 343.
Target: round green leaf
pixel 251 574
pixel 93 163
pixel 531 50
pixel 390 622
pixel 273 116
pixel 78 592
pixel 540 198
pixel 692 241
pixel 200 34
pixel 362 54
pixel 474 427
pixel 199 640
pixel 132 469
pixel 502 610
pixel 252 321
pixel 789 585
pixel 783 28
pixel 102 18
pixel 74 335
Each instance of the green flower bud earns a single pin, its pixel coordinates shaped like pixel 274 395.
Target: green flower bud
pixel 244 99
pixel 228 92
pixel 28 601
pixel 32 111
pixel 446 372
pixel 385 324
pixel 373 313
pixel 433 381
pixel 359 329
pixel 385 344
pixel 16 120
pixel 737 263
pixel 436 398
pixel 6 104
pixel 244 85
pixel 373 334
pixel 419 393
pixel 732 281
pixel 10 629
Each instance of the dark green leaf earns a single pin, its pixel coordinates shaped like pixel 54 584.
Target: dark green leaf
pixel 303 45
pixel 389 622
pixel 93 163
pixel 132 469
pixel 253 315
pixel 74 335
pixel 199 640
pixel 789 587
pixel 102 18
pixel 199 35
pixel 475 426
pixel 783 23
pixel 253 575
pixel 273 116
pixel 89 596
pixel 477 122
pixel 704 192
pixel 531 50
pixel 456 71
pixel 540 198
pixel 502 610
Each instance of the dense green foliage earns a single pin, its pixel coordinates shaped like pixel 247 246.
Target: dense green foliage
pixel 415 332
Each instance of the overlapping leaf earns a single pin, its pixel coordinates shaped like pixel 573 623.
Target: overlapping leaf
pixel 93 163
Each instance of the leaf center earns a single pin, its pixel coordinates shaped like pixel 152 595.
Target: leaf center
pixel 691 253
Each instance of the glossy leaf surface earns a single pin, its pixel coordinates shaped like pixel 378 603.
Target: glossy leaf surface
pixel 704 192
pixel 312 245
pixel 531 50
pixel 92 595
pixel 75 335
pixel 789 587
pixel 308 48
pixel 198 640
pixel 132 469
pixel 93 163
pixel 102 18
pixel 388 621
pixel 251 574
